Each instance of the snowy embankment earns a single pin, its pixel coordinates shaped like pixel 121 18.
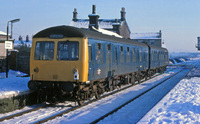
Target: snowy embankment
pixel 181 105
pixel 14 84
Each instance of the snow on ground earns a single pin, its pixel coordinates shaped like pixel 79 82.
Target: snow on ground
pixel 89 113
pixel 13 84
pixel 181 105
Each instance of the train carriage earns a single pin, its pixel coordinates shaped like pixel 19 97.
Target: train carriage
pixel 158 58
pixel 80 63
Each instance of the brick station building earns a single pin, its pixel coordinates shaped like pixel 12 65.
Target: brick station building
pixel 119 26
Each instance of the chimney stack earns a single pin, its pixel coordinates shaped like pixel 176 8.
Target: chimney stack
pixel 75 15
pixel 93 18
pixel 116 26
pixel 123 13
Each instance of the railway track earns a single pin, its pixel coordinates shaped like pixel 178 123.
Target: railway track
pixel 145 92
pixel 70 109
pixel 24 112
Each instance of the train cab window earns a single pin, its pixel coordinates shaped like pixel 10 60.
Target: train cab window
pixel 68 50
pixel 44 50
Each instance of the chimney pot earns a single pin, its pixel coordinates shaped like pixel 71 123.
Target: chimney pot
pixel 93 9
pixel 75 15
pixel 123 13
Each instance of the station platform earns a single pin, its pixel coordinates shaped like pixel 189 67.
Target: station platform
pixel 14 92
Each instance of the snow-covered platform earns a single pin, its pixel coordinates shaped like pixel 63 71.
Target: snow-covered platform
pixel 14 93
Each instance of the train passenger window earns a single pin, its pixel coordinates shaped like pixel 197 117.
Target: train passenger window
pixel 44 50
pixel 108 47
pixel 99 46
pixel 127 49
pixel 68 50
pixel 121 48
pixel 90 53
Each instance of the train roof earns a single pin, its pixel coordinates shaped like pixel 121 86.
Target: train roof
pixel 69 31
pixel 158 48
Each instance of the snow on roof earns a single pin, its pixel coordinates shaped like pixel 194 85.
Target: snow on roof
pixel 2 33
pixel 150 35
pixel 107 32
pixel 103 23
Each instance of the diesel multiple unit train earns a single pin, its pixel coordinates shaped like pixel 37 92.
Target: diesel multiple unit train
pixel 69 62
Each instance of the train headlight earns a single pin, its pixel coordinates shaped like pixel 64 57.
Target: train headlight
pixel 36 69
pixel 76 75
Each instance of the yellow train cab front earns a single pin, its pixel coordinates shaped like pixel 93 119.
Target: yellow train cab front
pixel 64 59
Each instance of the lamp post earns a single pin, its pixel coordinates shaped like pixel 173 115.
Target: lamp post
pixel 12 21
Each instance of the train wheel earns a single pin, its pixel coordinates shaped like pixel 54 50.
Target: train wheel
pixel 97 95
pixel 81 97
pixel 53 100
pixel 80 102
pixel 133 79
pixel 139 81
pixel 145 77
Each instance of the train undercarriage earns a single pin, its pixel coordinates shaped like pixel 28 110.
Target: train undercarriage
pixel 54 92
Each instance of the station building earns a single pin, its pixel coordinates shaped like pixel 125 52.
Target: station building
pixel 3 37
pixel 119 26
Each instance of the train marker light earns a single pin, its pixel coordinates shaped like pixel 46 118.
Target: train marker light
pixel 76 75
pixel 36 69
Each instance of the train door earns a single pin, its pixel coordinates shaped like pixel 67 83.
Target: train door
pixel 91 62
pixel 108 59
pixel 114 60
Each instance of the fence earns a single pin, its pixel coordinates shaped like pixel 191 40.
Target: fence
pixel 2 64
pixel 20 60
